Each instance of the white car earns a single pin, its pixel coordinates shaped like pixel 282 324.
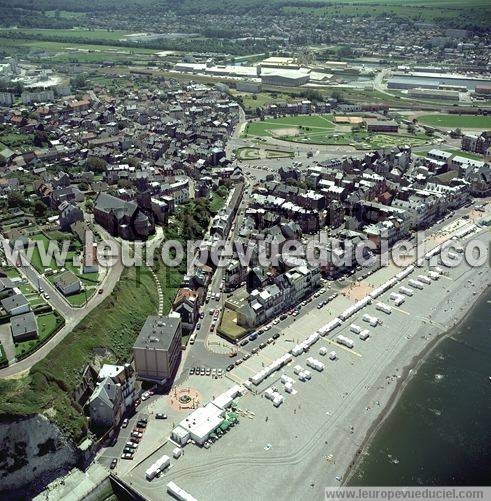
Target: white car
pixel 145 395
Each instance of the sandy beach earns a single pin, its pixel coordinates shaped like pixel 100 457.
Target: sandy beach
pixel 408 372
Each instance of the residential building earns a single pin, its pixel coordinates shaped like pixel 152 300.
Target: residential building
pixel 24 327
pixel 16 304
pixel 157 350
pixel 68 283
pixel 114 394
pixel 187 303
pixel 285 291
pixel 69 214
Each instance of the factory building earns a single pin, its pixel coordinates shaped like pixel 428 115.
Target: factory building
pixel 286 78
pixel 248 86
pixel 447 95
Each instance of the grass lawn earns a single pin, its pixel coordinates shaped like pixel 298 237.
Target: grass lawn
pixel 465 154
pixel 80 298
pixel 110 331
pixel 86 278
pixel 217 200
pixel 279 154
pixel 3 358
pixel 16 140
pixel 248 153
pixel 454 121
pixel 316 123
pixel 47 324
pixel 359 140
pixel 251 153
pixel 228 326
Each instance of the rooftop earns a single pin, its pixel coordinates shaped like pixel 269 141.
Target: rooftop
pixel 157 332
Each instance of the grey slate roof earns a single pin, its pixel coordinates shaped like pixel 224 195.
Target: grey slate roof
pixel 23 324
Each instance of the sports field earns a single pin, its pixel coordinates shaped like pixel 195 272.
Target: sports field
pixel 453 121
pixel 290 126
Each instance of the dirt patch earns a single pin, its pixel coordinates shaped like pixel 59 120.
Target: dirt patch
pixel 357 291
pixel 284 131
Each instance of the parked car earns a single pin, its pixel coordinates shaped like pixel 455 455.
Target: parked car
pixel 129 450
pixel 160 415
pixel 230 367
pixel 113 464
pixel 125 423
pixel 191 371
pixel 127 456
pixel 276 335
pixel 131 445
pixel 136 434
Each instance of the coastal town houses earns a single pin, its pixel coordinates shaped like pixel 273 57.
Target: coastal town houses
pixel 114 394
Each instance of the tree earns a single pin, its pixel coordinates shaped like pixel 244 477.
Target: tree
pixel 344 51
pixel 40 138
pixel 16 199
pixel 40 209
pixel 337 95
pixel 96 164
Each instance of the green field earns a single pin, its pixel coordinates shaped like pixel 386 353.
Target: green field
pixel 305 123
pixel 71 51
pixel 318 129
pixel 454 121
pixel 471 12
pixel 75 33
